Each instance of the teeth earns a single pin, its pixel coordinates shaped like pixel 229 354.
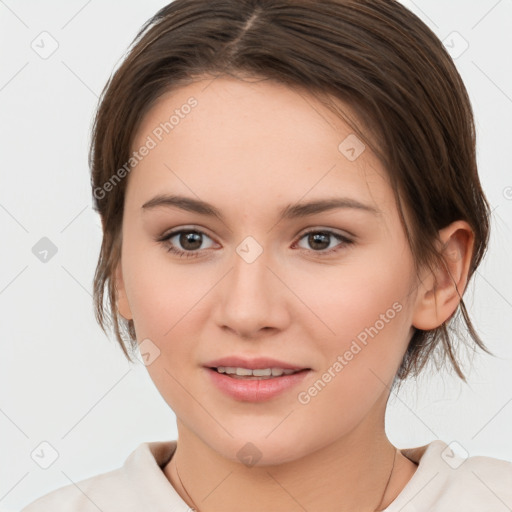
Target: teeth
pixel 260 372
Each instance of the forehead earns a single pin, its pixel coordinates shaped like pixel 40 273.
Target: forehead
pixel 225 138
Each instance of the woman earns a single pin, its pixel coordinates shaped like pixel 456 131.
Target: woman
pixel 291 213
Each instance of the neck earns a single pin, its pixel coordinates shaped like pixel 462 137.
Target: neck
pixel 354 473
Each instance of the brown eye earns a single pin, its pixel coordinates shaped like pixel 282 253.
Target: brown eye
pixel 190 240
pixel 185 242
pixel 321 241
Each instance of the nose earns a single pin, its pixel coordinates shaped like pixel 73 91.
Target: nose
pixel 252 298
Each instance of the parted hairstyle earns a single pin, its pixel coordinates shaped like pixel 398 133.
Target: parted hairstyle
pixel 412 109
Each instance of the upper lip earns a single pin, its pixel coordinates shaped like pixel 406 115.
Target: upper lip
pixel 253 363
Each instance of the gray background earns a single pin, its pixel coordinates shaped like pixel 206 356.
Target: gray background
pixel 63 381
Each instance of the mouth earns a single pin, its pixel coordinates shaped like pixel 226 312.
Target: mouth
pixel 255 373
pixel 249 384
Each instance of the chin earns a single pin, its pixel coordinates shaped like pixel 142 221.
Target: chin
pixel 254 450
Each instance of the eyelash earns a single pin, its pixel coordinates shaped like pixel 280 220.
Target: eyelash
pixel 194 254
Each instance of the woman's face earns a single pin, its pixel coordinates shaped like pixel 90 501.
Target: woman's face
pixel 266 276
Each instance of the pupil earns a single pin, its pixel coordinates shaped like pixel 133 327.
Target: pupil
pixel 186 238
pixel 316 238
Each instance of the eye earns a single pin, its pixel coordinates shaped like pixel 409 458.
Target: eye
pixel 187 242
pixel 190 240
pixel 321 241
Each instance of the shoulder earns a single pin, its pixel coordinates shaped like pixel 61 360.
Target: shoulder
pixel 81 496
pixel 479 481
pixel 127 488
pixel 448 479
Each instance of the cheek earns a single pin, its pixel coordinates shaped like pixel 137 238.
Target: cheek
pixel 368 314
pixel 370 307
pixel 158 290
pixel 364 312
pixel 357 296
pixel 169 301
pixel 162 303
pixel 165 300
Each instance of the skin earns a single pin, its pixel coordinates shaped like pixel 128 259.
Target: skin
pixel 250 148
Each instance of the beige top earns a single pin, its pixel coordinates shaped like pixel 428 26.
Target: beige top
pixel 443 482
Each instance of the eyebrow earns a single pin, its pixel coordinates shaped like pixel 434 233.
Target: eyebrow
pixel 289 212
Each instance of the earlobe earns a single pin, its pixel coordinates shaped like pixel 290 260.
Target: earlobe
pixel 121 298
pixel 439 293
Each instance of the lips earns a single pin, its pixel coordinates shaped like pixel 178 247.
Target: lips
pixel 245 379
pixel 253 363
pixel 255 389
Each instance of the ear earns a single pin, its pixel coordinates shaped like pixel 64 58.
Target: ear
pixel 121 298
pixel 436 303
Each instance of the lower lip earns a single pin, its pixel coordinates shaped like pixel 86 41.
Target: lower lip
pixel 257 390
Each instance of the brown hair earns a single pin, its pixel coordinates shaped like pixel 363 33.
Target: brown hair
pixel 374 55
